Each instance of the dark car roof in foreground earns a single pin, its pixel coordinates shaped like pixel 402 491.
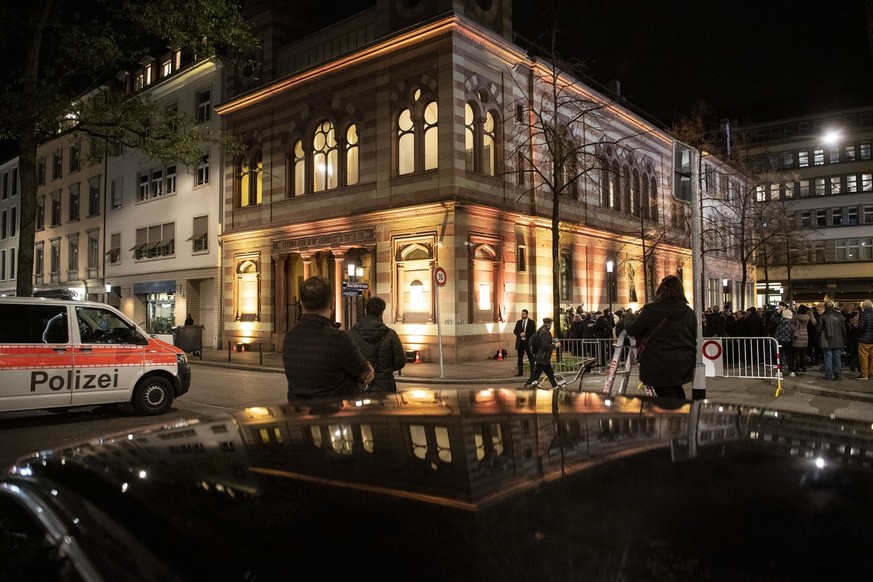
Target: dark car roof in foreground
pixel 486 485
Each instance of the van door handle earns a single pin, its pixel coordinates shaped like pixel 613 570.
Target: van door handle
pixel 60 349
pixel 85 348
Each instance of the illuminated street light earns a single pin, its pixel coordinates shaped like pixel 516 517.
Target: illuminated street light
pixel 831 137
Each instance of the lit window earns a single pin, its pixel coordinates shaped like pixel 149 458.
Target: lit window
pixel 484 296
pixel 251 181
pixel 299 169
pixel 324 158
pixel 416 295
pixel 803 159
pixel 405 143
pixel 247 290
pixel 417 135
pixel 430 136
pixel 352 155
pixel 479 137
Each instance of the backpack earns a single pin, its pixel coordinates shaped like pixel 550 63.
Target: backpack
pixel 535 343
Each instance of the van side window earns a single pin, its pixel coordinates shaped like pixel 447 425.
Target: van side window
pixel 33 324
pixel 101 326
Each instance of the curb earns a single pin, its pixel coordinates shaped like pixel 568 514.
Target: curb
pixel 799 387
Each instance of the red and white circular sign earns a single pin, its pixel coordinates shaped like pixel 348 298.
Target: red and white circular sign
pixel 440 276
pixel 711 350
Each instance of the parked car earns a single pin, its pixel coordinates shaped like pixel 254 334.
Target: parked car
pixel 452 485
pixel 57 353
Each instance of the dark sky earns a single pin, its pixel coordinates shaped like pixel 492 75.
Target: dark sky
pixel 670 55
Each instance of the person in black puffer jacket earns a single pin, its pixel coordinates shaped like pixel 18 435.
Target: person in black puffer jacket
pixel 668 329
pixel 380 345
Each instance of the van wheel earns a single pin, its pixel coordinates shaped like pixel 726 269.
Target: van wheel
pixel 153 395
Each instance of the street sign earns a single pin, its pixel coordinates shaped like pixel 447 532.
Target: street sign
pixel 360 286
pixel 440 276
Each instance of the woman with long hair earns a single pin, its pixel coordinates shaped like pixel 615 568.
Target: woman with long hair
pixel 666 332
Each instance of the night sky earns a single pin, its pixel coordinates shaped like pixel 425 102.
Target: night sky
pixel 670 55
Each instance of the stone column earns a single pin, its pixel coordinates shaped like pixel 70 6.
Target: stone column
pixel 338 267
pixel 307 266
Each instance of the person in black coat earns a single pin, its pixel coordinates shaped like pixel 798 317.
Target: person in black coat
pixel 380 345
pixel 667 328
pixel 751 325
pixel 524 329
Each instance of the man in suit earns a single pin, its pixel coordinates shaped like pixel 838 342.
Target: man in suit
pixel 524 329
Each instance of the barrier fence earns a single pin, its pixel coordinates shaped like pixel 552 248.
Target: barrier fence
pixel 730 357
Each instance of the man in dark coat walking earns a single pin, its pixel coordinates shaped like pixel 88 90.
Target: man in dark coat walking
pixel 524 329
pixel 544 345
pixel 380 345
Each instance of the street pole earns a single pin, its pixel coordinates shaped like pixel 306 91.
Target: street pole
pixel 698 385
pixel 609 267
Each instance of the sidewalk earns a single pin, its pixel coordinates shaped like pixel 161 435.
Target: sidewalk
pixel 502 373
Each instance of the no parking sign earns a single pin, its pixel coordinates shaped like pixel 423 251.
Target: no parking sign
pixel 713 362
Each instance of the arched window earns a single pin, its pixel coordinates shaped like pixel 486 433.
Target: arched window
pixel 418 135
pixel 625 190
pixel 480 138
pixel 485 270
pixel 251 171
pixel 653 200
pixel 635 193
pixel 352 155
pixel 414 277
pixel 644 198
pixel 324 158
pixel 614 198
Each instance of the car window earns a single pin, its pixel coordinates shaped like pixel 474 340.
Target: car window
pixel 33 324
pixel 101 326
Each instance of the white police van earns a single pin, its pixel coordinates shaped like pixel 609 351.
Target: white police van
pixel 56 353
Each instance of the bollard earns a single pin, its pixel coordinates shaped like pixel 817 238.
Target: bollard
pixel 261 353
pixel 228 351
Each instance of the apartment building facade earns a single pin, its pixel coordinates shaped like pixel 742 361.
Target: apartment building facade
pixel 827 156
pixel 10 187
pixel 163 218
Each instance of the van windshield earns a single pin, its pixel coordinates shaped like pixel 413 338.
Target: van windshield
pixel 102 326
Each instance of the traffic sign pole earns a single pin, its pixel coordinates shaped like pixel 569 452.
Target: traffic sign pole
pixel 439 277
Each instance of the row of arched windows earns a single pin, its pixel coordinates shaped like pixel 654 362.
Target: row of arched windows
pixel 328 156
pixel 626 188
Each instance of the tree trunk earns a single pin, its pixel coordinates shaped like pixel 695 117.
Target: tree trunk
pixel 27 147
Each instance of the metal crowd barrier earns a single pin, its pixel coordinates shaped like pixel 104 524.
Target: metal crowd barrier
pixel 750 357
pixel 742 357
pixel 571 352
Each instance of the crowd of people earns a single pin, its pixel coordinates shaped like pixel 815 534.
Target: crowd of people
pixel 809 336
pixel 821 335
pixel 321 360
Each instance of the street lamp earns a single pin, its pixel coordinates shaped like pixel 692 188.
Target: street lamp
pixel 609 267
